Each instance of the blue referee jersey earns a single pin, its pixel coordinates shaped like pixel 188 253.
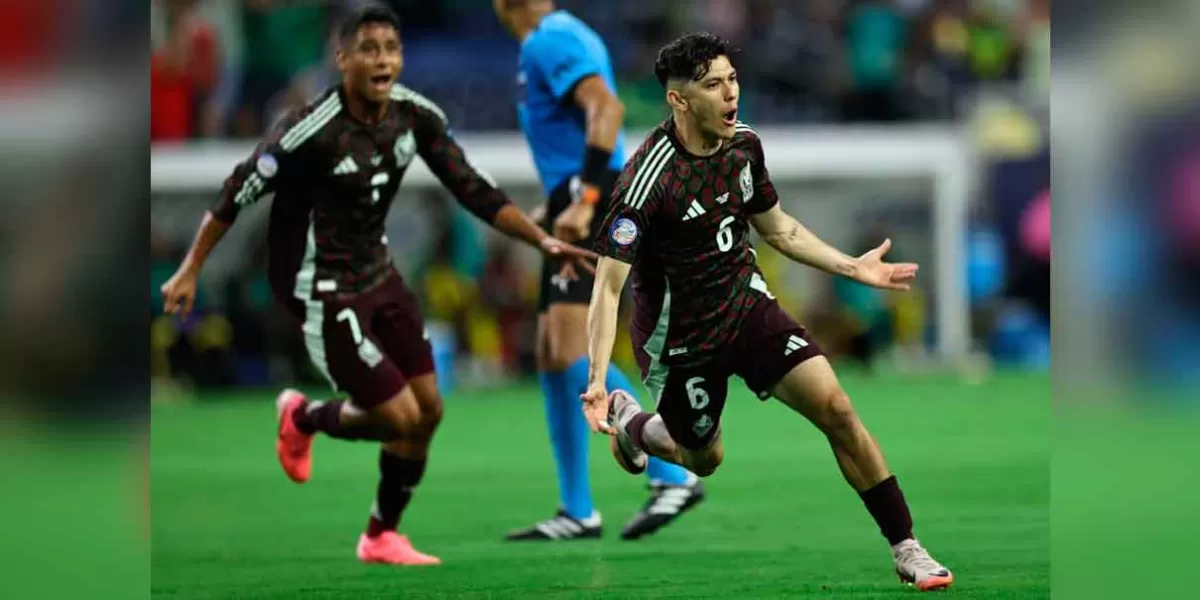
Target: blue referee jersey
pixel 560 53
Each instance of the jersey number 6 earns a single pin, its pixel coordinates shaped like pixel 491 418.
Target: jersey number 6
pixel 725 235
pixel 697 396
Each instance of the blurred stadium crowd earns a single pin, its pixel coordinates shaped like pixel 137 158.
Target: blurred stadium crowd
pixel 223 69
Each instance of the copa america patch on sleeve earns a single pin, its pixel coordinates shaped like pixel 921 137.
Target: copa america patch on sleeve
pixel 267 166
pixel 624 231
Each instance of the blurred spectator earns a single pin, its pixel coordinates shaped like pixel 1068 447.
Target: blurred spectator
pixel 993 51
pixel 283 41
pixel 501 294
pixel 866 309
pixel 183 72
pixel 1035 228
pixel 1033 33
pixel 794 66
pixel 876 36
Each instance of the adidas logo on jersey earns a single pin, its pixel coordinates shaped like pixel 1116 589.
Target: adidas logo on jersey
pixel 695 210
pixel 346 167
pixel 794 343
pixel 723 198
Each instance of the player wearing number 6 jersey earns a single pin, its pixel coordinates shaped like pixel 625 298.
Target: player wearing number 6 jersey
pixel 571 118
pixel 334 168
pixel 680 220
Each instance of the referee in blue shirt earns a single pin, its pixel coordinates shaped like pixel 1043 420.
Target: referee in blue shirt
pixel 571 118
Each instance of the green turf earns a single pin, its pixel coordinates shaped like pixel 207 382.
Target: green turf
pixel 780 522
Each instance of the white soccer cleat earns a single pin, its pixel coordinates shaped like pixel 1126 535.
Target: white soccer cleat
pixel 916 567
pixel 621 409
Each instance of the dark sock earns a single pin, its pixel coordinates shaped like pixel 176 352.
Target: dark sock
pixel 886 504
pixel 398 477
pixel 308 418
pixel 637 427
pixel 326 418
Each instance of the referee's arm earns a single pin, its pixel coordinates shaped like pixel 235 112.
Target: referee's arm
pixel 605 113
pixel 604 116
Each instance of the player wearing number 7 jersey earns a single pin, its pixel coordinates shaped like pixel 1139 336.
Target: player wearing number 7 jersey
pixel 334 168
pixel 680 220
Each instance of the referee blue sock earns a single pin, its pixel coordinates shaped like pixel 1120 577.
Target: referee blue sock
pixel 569 438
pixel 657 469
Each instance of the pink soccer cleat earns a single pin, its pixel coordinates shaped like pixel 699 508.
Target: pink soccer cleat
pixel 391 548
pixel 292 446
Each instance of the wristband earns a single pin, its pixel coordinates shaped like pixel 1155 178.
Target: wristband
pixel 595 165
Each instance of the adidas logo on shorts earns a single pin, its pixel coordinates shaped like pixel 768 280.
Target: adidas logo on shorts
pixel 794 343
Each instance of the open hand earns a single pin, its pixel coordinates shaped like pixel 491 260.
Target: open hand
pixel 595 409
pixel 871 270
pixel 572 256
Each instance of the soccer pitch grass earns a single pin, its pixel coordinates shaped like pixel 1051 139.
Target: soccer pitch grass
pixel 779 521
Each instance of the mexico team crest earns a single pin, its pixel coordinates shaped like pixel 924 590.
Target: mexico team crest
pixel 405 149
pixel 746 179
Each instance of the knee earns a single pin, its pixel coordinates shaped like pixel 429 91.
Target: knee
pixel 558 359
pixel 553 357
pixel 837 413
pixel 431 416
pixel 706 464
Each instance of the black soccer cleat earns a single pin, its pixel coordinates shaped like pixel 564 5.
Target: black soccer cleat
pixel 561 527
pixel 666 503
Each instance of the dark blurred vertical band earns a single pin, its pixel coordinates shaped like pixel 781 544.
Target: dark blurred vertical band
pixel 74 223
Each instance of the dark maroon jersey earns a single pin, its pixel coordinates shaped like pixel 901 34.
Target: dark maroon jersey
pixel 333 178
pixel 681 221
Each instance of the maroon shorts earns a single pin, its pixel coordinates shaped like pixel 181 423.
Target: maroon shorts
pixel 368 346
pixel 691 398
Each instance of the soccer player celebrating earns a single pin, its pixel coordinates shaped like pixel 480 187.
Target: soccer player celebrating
pixel 680 220
pixel 572 122
pixel 334 167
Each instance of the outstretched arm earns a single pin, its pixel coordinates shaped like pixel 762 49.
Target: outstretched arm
pixel 479 194
pixel 602 332
pixel 275 159
pixel 795 241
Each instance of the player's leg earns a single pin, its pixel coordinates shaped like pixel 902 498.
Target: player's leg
pixel 686 429
pixel 373 403
pixel 812 389
pixel 779 359
pixel 566 319
pixel 401 332
pixel 576 517
pixel 402 465
pixel 563 348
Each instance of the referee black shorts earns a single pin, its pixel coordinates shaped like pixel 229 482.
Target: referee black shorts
pixel 555 289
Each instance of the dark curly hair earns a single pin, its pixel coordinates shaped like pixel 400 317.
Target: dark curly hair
pixel 688 57
pixel 366 14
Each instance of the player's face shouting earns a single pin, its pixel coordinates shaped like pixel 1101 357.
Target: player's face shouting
pixel 372 62
pixel 714 99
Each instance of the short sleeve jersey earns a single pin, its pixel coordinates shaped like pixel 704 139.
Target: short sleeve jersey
pixel 682 221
